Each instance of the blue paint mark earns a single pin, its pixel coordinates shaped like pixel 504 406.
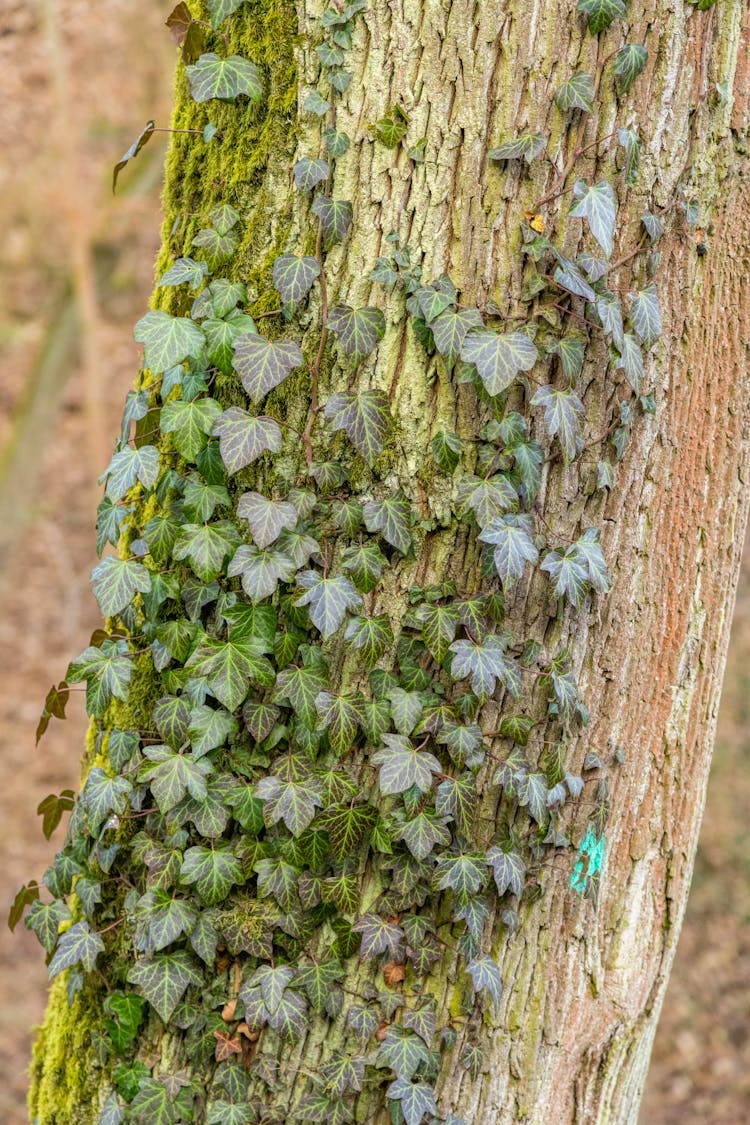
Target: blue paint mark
pixel 590 861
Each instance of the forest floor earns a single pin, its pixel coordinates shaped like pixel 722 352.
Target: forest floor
pixel 55 197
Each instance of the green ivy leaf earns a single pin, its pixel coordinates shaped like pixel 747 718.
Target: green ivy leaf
pixel 577 93
pixel 631 359
pixel 262 364
pixel 570 350
pixel 347 826
pixel 402 765
pixel 206 546
pixel 371 636
pixel 329 600
pixel 167 340
pixel 266 518
pixel 498 358
pixel 645 316
pixel 316 981
pixel 142 139
pixel 598 205
pixel 365 564
pixel 261 571
pixel 335 218
pixel 392 518
pixel 213 77
pixel 403 1051
pixel 107 670
pixel 209 728
pixel 513 542
pixel 294 277
pixel 173 775
pixel 229 1113
pixel 602 13
pixel 309 173
pixel 364 417
pixel 486 975
pixel 77 946
pixel 164 980
pixel 219 10
pixel 415 1098
pixel 450 328
pixel 630 141
pixel 184 270
pixel 127 1015
pixel 508 870
pixel 379 936
pixel 230 667
pixel 340 715
pixel 294 802
pixel 337 143
pixel 568 574
pixel 115 582
pixel 131 465
pixel 219 247
pixel 44 919
pixel 358 330
pixel 457 798
pixel 629 63
pixel 191 423
pixel 243 438
pixel 163 919
pixel 487 498
pixel 316 103
pixel 300 686
pixel 212 871
pixel 526 147
pixel 563 416
pixel 423 833
pixel 463 874
pixel 103 795
pixel 390 130
pixel 486 663
pixel 531 790
pixel 446 448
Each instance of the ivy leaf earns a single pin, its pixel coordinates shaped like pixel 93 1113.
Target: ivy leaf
pixel 173 776
pixel 153 1103
pixel 423 833
pixel 107 670
pixel 213 77
pixel 487 499
pixel 364 417
pixel 167 340
pixel 415 1098
pixel 294 277
pixel 316 103
pixel 358 330
pixel 463 874
pixel 439 624
pixel 166 919
pixel 589 553
pixel 347 825
pixel 630 141
pixel 131 465
pixel 294 802
pixel 44 920
pixel 531 790
pixel 260 571
pixel 317 980
pixel 486 663
pixel 77 946
pixel 229 1113
pixel 243 438
pixel 569 277
pixel 450 328
pixel 115 581
pixel 329 600
pixel 143 138
pixel 391 130
pixel 379 936
pixel 336 143
pixel 219 10
pixel 577 93
pixel 629 63
pixel 391 517
pixel 190 422
pixel 184 270
pixel 446 448
pixel 371 636
pixel 431 302
pixel 464 743
pixel 403 1051
pixel 631 359
pixel 300 688
pixel 212 871
pixel 209 728
pixel 457 798
pixel 365 564
pixel 602 13
pixel 164 980
pixel 340 715
pixel 514 547
pixel 230 667
pixel 335 218
pixel 645 316
pixel 403 766
pixel 563 415
pixel 342 1073
pixel 206 546
pixel 508 869
pixel 568 575
pixel 598 205
pixel 526 147
pixel 309 173
pixel 267 518
pixel 103 795
pixel 570 350
pixel 262 364
pixel 486 975
pixel 498 358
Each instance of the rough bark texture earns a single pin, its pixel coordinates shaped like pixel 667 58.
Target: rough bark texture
pixel 584 982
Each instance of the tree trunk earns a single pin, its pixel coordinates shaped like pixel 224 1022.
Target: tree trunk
pixel 584 975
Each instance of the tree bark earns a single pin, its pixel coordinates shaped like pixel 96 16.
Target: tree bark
pixel 584 979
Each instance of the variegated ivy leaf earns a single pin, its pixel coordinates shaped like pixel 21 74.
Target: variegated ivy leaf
pixel 402 765
pixel 309 173
pixel 423 833
pixel 371 636
pixel 568 275
pixel 358 330
pixel 184 270
pixel 609 311
pixel 77 946
pixel 439 624
pixel 653 224
pixel 230 667
pixel 115 581
pixel 365 564
pixel 340 715
pixel 392 518
pixel 531 790
pixel 598 206
pixel 294 277
pixel 464 743
pixel 403 1050
pixel 379 936
pixel 190 422
pixel 645 316
pixel 508 870
pixel 267 518
pixel 406 708
pixel 487 498
pixel 629 63
pixel 512 537
pixel 602 13
pixel 262 364
pixel 594 267
pixel 260 571
pixel 167 340
pixel 463 874
pixel 415 1098
pixel 294 802
pixel 450 328
pixel 590 555
pixel 563 416
pixel 213 77
pixel 243 438
pixel 107 670
pixel 631 359
pixel 487 663
pixel 568 574
pixel 577 93
pixel 335 218
pixel 219 10
pixel 630 141
pixel 526 147
pixel 485 975
pixel 206 546
pixel 329 600
pixel 498 357
pixel 570 351
pixel 218 247
pixel 364 417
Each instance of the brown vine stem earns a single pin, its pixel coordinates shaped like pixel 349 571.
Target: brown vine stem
pixel 315 369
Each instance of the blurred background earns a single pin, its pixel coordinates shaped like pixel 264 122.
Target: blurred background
pixel 79 81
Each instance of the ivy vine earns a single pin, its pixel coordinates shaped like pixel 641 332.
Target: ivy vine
pixel 279 815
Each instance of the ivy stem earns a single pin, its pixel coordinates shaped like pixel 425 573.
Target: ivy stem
pixel 110 927
pixel 315 369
